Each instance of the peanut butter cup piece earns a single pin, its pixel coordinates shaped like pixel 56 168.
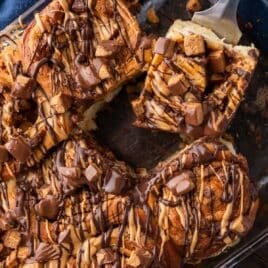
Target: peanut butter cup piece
pixel 217 62
pixel 48 208
pixel 72 178
pixel 146 42
pixel 178 84
pixel 64 237
pixel 115 182
pixel 79 6
pixel 70 172
pixel 182 183
pixel 92 173
pixel 18 148
pixel 101 68
pixel 85 76
pixel 107 48
pixel 164 47
pixel 194 45
pixel 194 114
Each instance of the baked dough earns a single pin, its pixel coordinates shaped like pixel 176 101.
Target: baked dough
pixel 195 82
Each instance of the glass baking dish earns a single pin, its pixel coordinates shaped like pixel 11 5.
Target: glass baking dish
pixel 246 129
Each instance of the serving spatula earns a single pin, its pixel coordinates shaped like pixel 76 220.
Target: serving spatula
pixel 221 18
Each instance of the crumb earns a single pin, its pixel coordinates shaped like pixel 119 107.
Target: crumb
pixel 193 6
pixel 249 25
pixel 262 98
pixel 152 16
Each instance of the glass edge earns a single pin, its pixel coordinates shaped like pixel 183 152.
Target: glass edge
pixel 244 250
pixel 233 258
pixel 29 12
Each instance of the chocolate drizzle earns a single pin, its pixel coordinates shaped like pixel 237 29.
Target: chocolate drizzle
pixel 80 206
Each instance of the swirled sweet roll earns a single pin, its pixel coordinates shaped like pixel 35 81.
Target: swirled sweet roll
pixel 72 58
pixel 195 82
pixel 83 50
pixel 75 210
pixel 202 198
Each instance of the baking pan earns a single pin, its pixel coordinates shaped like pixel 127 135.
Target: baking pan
pixel 249 129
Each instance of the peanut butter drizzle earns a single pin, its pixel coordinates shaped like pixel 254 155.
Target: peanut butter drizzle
pixel 88 201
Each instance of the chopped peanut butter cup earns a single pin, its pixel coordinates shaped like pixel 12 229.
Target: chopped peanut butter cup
pixel 193 60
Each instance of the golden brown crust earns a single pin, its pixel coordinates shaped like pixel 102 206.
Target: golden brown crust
pixel 70 55
pixel 193 205
pixel 218 211
pixel 80 206
pixel 110 27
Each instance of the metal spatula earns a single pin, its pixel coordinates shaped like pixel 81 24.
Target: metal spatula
pixel 221 18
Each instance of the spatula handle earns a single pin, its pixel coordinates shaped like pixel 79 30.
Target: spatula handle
pixel 230 10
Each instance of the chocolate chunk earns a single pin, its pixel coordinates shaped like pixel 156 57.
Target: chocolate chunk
pixel 194 45
pixel 3 154
pixel 92 173
pixel 48 208
pixel 253 53
pixel 79 6
pixel 18 149
pixel 140 258
pixel 202 154
pixel 61 103
pixel 71 177
pixel 23 87
pixel 146 42
pixel 101 68
pixel 105 256
pixel 85 76
pixel 107 48
pixel 164 46
pixel 217 62
pixel 178 84
pixel 64 237
pixel 97 63
pixel 194 114
pixel 182 183
pixel 46 252
pixel 70 172
pixel 115 182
